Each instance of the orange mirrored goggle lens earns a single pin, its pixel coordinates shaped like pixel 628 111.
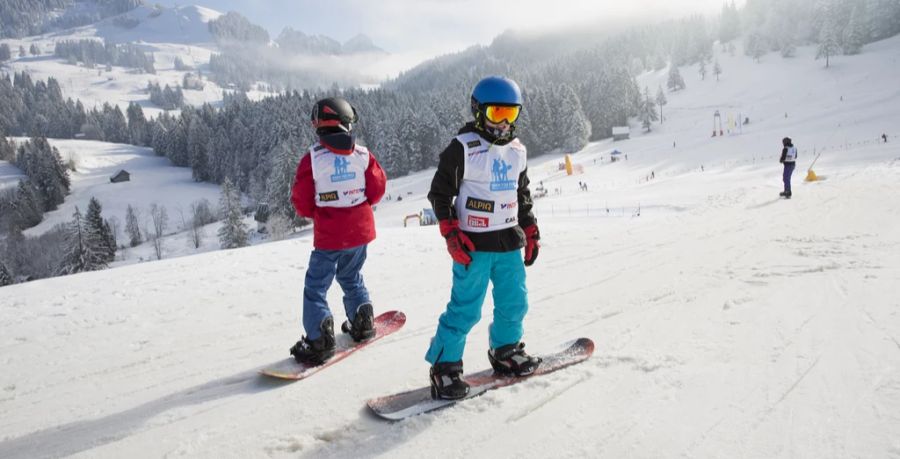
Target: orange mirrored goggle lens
pixel 500 113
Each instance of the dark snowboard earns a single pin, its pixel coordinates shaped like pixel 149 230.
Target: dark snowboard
pixel 418 401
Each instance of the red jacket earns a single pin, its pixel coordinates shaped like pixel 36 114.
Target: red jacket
pixel 336 228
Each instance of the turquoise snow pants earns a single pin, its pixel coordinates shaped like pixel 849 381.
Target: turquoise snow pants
pixel 506 271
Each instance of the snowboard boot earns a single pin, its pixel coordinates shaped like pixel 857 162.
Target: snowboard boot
pixel 363 326
pixel 512 360
pixel 316 351
pixel 447 382
pixel 781 194
pixel 787 195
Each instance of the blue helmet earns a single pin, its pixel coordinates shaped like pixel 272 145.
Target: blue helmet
pixel 495 90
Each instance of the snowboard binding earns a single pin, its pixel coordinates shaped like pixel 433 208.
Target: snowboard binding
pixel 513 360
pixel 316 351
pixel 363 326
pixel 447 382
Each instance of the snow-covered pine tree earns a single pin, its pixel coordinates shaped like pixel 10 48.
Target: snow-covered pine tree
pixel 661 101
pixel 100 231
pixel 132 227
pixel 139 131
pixel 284 159
pixel 855 34
pixel 730 23
pixel 197 140
pixel 889 20
pixel 46 171
pixel 755 45
pixel 575 127
pixel 828 38
pixel 233 232
pixel 430 137
pixel 675 81
pixel 218 155
pixel 788 49
pixel 647 113
pixel 7 149
pixel 543 118
pixel 6 277
pixel 27 207
pixel 408 132
pixel 80 255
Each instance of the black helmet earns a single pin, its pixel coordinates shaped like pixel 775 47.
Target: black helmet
pixel 333 114
pixel 786 141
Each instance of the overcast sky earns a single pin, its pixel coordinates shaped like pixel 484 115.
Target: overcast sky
pixel 433 27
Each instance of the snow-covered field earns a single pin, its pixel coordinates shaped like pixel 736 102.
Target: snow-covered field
pixel 153 180
pixel 729 323
pixel 121 86
pixel 181 32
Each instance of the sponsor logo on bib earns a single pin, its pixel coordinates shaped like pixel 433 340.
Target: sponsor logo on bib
pixel 340 170
pixel 329 196
pixel 480 205
pixel 478 222
pixel 500 176
pixel 477 152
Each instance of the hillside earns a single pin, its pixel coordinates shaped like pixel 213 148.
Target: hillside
pixel 728 322
pixel 181 32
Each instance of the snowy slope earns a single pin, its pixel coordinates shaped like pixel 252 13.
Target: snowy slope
pixel 183 25
pixel 729 323
pixel 153 180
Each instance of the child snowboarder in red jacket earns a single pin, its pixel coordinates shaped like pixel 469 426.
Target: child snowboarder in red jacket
pixel 337 183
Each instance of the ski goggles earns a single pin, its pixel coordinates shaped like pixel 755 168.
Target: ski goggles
pixel 500 113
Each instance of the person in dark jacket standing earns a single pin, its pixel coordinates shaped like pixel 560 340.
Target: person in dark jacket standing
pixel 481 198
pixel 788 158
pixel 337 183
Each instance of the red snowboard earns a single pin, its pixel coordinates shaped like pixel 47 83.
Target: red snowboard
pixel 385 324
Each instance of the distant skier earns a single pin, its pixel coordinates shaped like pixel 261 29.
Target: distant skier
pixel 337 183
pixel 788 158
pixel 485 222
pixel 884 137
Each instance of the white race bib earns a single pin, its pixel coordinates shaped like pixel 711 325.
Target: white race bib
pixel 791 155
pixel 340 179
pixel 488 195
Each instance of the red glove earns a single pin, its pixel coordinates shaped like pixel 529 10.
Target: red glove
pixel 532 236
pixel 458 244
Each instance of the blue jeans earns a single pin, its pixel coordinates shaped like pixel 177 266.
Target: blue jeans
pixel 788 171
pixel 324 266
pixel 506 271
